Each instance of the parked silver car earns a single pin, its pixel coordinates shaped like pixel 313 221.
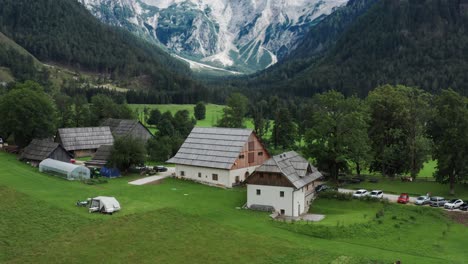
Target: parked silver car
pixel 422 200
pixel 438 201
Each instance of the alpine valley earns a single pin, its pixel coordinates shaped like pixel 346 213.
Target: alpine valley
pixel 239 36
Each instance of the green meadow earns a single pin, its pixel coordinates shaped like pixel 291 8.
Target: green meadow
pixel 213 112
pixel 179 222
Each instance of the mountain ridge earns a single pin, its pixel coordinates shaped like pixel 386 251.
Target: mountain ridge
pixel 63 31
pixel 239 36
pixel 415 43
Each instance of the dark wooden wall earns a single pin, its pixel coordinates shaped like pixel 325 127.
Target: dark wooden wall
pixel 270 179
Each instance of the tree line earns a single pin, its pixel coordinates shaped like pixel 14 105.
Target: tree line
pixel 393 131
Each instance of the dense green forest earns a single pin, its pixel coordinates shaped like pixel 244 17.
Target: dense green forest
pixel 21 66
pixel 324 35
pixel 64 32
pixel 421 43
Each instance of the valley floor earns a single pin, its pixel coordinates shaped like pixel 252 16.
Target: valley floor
pixel 179 222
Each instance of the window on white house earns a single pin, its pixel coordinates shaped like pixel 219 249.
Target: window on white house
pixel 259 192
pixel 281 194
pixel 182 173
pixel 199 175
pixel 214 177
pixel 282 212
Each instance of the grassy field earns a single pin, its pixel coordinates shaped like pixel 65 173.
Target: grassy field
pixel 428 169
pixel 179 222
pixel 213 112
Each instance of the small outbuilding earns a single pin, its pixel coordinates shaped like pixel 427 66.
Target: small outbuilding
pixel 84 141
pixel 41 149
pixel 64 170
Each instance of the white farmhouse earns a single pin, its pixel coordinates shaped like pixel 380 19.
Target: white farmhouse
pixel 218 156
pixel 284 184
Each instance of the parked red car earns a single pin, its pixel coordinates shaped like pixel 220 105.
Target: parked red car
pixel 404 198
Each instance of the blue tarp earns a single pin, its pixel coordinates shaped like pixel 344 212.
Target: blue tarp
pixel 110 172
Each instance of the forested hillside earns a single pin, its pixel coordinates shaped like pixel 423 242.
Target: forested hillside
pixel 421 43
pixel 62 31
pixel 17 64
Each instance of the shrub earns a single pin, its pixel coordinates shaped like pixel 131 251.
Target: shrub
pixel 380 213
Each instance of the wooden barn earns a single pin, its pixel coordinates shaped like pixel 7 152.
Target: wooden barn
pixel 285 184
pixel 127 127
pixel 101 157
pixel 219 156
pixel 41 149
pixel 84 141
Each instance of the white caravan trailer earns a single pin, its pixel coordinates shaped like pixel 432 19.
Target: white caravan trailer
pixel 104 204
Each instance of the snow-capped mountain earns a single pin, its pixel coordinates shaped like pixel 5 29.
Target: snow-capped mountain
pixel 242 35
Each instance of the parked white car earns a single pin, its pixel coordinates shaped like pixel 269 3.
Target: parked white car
pixel 360 193
pixel 453 204
pixel 422 200
pixel 376 194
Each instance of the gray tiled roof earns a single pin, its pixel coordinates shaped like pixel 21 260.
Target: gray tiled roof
pixel 212 147
pixel 102 156
pixel 294 167
pixel 120 127
pixel 85 137
pixel 39 149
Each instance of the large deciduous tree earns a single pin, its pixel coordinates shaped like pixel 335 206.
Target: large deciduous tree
pixel 27 112
pixel 449 131
pixel 235 111
pixel 399 117
pixel 336 123
pixel 284 129
pixel 127 152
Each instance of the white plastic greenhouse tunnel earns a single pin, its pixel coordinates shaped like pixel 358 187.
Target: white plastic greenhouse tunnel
pixel 65 170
